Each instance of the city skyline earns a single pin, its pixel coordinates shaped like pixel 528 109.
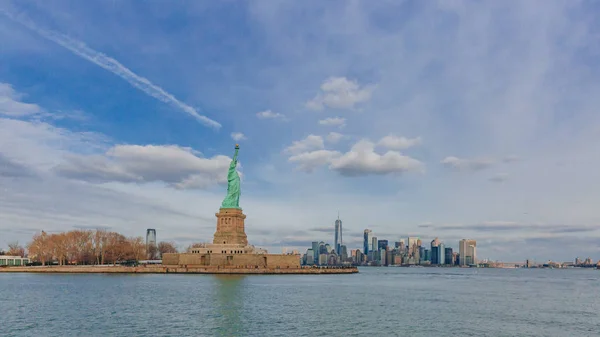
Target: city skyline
pixel 122 115
pixel 464 246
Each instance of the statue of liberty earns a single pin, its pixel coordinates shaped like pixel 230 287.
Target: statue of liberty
pixel 232 200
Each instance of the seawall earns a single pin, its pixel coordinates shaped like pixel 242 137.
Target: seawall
pixel 162 269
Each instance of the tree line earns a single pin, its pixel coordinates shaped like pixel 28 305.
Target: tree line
pixel 88 247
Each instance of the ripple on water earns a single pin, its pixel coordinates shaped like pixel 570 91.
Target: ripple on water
pixel 377 301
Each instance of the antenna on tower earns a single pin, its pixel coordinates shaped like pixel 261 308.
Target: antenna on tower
pixel 338 214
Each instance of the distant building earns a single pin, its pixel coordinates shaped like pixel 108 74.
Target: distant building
pixel 322 249
pixel 375 248
pixel 435 254
pixel 441 254
pixel 151 242
pixel 382 244
pixel 8 260
pixel 332 259
pixel 468 252
pixel 382 257
pixel 310 257
pixel 357 256
pixel 343 253
pixel 315 249
pixel 367 241
pixel 412 244
pixel 449 256
pixel 323 259
pixel 338 236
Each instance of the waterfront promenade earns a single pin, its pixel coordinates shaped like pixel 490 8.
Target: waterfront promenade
pixel 162 269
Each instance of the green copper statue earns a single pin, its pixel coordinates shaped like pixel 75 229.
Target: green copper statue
pixel 232 200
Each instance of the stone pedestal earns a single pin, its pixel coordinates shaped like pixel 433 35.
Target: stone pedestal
pixel 230 227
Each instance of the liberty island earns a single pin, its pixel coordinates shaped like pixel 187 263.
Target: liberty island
pixel 229 252
pixel 230 249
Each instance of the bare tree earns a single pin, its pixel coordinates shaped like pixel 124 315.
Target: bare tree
pixel 99 243
pixel 152 252
pixel 117 247
pixel 14 249
pixel 40 248
pixel 88 247
pixel 166 247
pixel 60 247
pixel 194 245
pixel 80 246
pixel 138 248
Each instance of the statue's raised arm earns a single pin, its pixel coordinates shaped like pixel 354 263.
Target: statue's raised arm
pixel 235 155
pixel 232 200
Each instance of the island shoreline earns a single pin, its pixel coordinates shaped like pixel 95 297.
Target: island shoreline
pixel 164 269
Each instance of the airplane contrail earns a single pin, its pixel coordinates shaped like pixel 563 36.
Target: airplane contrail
pixel 82 50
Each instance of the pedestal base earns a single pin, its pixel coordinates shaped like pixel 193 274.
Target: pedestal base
pixel 230 227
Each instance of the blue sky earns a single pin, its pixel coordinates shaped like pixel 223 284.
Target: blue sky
pixel 449 119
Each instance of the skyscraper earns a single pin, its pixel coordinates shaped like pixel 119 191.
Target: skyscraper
pixel 449 257
pixel 374 248
pixel 338 235
pixel 435 251
pixel 382 244
pixel 151 236
pixel 368 237
pixel 467 250
pixel 412 244
pixel 343 252
pixel 435 254
pixel 310 257
pixel 151 243
pixel 441 254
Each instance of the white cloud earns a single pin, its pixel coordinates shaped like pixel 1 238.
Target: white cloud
pixel 237 136
pixel 268 114
pixel 339 93
pixel 468 164
pixel 333 121
pixel 177 166
pixel 40 145
pixel 334 137
pixel 363 160
pixel 311 142
pixel 360 160
pixel 398 143
pixel 308 161
pixel 82 50
pixel 11 105
pixel 11 168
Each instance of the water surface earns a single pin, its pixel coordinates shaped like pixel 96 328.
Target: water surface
pixel 375 302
